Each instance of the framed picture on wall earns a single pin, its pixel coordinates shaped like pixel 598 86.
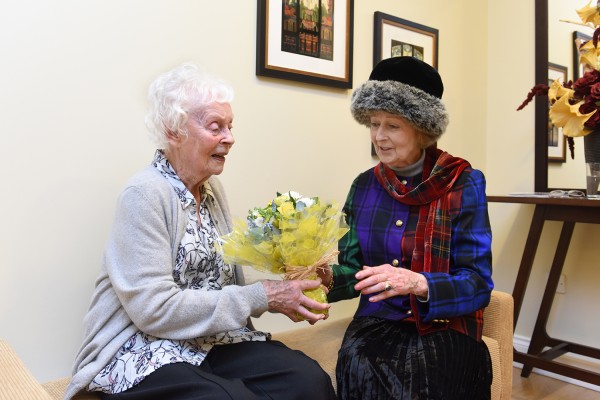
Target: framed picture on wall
pixel 395 37
pixel 399 37
pixel 308 41
pixel 557 142
pixel 578 39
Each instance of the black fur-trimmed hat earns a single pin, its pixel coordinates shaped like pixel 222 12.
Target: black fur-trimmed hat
pixel 405 86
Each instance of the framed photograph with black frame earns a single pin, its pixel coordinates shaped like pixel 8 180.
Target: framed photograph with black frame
pixel 395 37
pixel 308 41
pixel 557 142
pixel 578 39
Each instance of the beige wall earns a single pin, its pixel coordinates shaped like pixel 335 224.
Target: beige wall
pixel 74 76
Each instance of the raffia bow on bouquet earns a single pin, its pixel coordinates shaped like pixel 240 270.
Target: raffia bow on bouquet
pixel 292 236
pixel 574 106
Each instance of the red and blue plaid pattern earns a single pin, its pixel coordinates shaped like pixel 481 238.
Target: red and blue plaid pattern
pixel 446 236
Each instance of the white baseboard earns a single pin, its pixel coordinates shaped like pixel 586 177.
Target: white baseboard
pixel 521 343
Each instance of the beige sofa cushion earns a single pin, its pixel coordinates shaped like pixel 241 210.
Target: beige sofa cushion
pixel 16 381
pixel 320 342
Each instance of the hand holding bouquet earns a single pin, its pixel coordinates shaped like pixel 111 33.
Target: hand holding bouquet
pixel 292 235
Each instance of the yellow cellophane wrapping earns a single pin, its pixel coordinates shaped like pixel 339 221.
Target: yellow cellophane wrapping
pixel 291 236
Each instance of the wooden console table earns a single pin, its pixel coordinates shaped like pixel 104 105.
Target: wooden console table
pixel 569 211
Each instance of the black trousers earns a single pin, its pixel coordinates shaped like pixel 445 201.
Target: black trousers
pixel 241 371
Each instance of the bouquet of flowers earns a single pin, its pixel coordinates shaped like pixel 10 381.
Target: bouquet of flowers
pixel 574 106
pixel 292 235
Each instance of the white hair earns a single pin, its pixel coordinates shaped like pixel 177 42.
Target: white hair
pixel 174 94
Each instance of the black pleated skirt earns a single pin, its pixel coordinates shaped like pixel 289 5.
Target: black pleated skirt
pixel 382 359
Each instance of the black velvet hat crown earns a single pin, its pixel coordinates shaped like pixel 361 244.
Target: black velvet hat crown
pixel 410 71
pixel 405 86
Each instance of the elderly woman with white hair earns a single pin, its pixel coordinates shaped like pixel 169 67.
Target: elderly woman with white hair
pixel 169 318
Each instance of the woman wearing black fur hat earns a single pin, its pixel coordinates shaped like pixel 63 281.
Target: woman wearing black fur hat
pixel 418 252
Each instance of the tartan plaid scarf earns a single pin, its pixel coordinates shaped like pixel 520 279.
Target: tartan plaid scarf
pixel 432 236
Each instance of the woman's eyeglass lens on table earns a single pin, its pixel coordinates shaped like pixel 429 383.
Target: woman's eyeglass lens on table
pixel 566 193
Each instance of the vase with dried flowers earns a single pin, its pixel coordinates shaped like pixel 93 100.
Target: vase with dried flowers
pixel 575 106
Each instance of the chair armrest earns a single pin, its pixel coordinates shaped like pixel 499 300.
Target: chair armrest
pixel 16 382
pixel 498 318
pixel 498 324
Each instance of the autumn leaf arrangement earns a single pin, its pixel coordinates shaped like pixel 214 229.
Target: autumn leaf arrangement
pixel 574 106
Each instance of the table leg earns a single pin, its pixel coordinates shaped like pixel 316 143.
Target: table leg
pixel 540 338
pixel 531 245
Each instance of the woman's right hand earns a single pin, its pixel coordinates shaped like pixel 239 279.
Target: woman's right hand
pixel 287 298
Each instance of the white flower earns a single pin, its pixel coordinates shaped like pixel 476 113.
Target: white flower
pixel 305 202
pixel 293 195
pixel 259 220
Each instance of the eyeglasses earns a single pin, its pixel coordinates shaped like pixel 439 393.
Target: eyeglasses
pixel 566 193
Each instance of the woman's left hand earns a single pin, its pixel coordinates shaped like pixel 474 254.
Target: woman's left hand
pixel 390 281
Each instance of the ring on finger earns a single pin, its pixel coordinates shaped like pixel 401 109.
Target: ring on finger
pixel 388 286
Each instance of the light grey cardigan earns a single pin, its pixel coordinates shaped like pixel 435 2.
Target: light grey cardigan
pixel 136 290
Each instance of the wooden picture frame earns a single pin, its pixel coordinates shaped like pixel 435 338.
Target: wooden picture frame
pixel 395 36
pixel 557 142
pixel 308 41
